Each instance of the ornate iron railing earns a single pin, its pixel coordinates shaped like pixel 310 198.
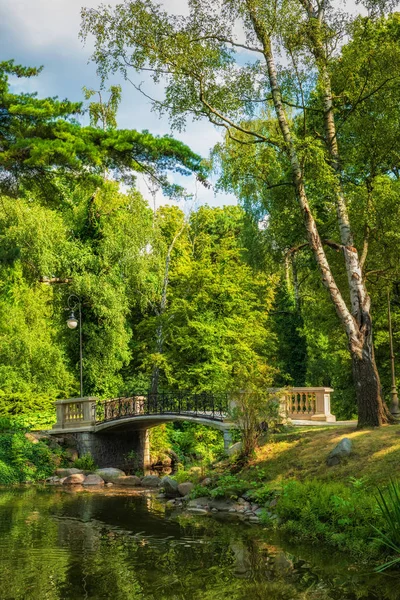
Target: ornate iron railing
pixel 206 406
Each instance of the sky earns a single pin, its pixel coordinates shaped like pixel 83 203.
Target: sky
pixel 45 32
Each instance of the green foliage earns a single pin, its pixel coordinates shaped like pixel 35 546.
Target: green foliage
pixel 253 410
pixel 229 486
pixel 194 442
pixel 389 506
pixel 21 460
pixel 331 512
pixel 159 442
pixel 85 462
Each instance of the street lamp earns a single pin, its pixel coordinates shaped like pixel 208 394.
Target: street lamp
pixel 394 409
pixel 72 323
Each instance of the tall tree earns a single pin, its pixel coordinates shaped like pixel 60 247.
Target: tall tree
pixel 42 143
pixel 202 57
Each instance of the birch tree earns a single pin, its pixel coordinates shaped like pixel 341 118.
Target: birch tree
pixel 256 69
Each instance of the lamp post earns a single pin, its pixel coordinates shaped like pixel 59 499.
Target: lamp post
pixel 72 322
pixel 394 408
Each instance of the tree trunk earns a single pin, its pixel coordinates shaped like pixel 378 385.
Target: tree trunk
pixel 155 376
pixel 371 410
pixel 357 322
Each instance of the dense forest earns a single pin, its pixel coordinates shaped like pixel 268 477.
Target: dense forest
pixel 205 299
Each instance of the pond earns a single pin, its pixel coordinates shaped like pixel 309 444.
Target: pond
pixel 119 545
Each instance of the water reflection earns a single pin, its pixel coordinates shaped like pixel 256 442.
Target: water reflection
pixel 71 545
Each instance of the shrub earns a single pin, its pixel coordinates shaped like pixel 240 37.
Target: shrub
pixel 85 463
pixel 229 486
pixel 330 512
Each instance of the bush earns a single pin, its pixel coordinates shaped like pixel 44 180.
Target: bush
pixel 21 460
pixel 229 486
pixel 330 512
pixel 85 463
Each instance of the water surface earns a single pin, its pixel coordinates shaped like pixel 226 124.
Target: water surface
pixel 68 545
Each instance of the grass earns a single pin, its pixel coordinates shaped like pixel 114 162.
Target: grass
pixel 300 454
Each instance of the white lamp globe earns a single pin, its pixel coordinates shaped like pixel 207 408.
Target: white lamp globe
pixel 72 321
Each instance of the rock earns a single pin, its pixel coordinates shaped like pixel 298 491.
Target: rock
pixel 31 437
pixel 171 503
pixel 207 481
pixel 71 454
pixel 273 503
pixel 225 505
pixel 61 481
pixel 109 474
pixel 93 479
pixel 170 487
pixel 234 449
pixel 214 510
pixel 258 512
pixel 68 472
pixel 109 484
pixel 203 501
pixel 232 510
pixel 160 496
pixel 74 479
pixel 52 480
pixel 173 455
pixel 197 511
pixel 150 481
pixel 254 506
pixel 130 480
pixel 242 501
pixel 254 519
pixel 342 450
pixel 185 488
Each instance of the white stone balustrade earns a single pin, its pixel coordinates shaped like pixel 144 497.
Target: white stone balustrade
pixel 75 413
pixel 307 403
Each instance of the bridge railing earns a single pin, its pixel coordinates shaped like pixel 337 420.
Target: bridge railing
pixel 297 403
pixel 208 406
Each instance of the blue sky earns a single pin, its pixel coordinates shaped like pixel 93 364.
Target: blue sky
pixel 45 32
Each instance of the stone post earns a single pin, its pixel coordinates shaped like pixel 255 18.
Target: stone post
pixel 323 405
pixel 75 413
pixel 227 439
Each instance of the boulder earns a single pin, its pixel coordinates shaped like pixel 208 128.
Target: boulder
pixel 128 480
pixel 68 472
pixel 234 449
pixel 202 502
pixel 31 438
pixel 342 450
pixel 53 480
pixel 185 488
pixel 170 487
pixel 206 482
pixel 93 479
pixel 150 481
pixel 109 474
pixel 197 511
pixel 76 479
pixel 109 484
pixel 71 454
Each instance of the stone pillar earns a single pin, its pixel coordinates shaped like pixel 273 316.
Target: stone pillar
pixel 323 405
pixel 143 449
pixel 227 439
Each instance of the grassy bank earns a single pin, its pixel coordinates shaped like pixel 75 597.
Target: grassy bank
pixel 308 500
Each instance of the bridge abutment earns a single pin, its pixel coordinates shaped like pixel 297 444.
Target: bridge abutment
pixel 122 450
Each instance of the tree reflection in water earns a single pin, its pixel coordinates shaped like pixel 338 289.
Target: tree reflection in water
pixel 80 545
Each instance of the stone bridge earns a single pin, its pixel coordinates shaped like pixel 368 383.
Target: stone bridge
pixel 113 430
